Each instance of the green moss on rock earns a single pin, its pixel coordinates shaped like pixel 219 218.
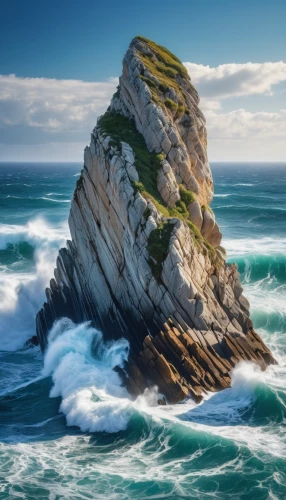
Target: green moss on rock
pixel 149 82
pixel 187 196
pixel 166 57
pixel 166 67
pixel 138 187
pixel 147 164
pixel 173 106
pixel 158 245
pixel 180 110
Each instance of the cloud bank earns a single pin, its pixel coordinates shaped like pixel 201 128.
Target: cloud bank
pixel 234 80
pixel 49 119
pixel 52 105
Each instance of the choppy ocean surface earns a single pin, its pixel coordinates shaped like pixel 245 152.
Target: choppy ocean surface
pixel 67 427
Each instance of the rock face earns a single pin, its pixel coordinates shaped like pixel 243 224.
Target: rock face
pixel 144 261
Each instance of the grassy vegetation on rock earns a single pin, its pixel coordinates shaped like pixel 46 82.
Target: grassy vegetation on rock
pixel 166 67
pixel 187 196
pixel 166 57
pixel 147 164
pixel 173 106
pixel 181 110
pixel 149 82
pixel 168 70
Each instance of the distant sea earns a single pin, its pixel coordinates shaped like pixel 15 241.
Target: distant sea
pixel 232 446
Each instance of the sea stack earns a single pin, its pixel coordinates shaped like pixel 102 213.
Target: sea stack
pixel 145 260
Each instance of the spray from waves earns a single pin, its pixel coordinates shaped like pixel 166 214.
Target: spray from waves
pixel 82 368
pixel 21 293
pixel 251 246
pixel 93 399
pixel 229 406
pixel 35 232
pixel 92 394
pixel 251 412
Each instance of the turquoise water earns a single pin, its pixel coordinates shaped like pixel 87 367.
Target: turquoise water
pixel 68 429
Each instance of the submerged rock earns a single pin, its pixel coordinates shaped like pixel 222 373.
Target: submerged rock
pixel 145 260
pixel 32 341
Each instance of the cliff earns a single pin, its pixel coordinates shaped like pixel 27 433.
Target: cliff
pixel 145 260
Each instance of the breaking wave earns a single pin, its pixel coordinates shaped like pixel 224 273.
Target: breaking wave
pixel 35 232
pixel 94 399
pixel 92 394
pixel 30 250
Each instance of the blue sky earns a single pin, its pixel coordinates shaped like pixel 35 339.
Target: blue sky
pixel 81 42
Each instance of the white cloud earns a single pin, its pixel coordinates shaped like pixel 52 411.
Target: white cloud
pixel 233 80
pixel 243 136
pixel 240 124
pixel 53 105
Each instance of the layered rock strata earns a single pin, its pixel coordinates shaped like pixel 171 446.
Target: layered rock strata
pixel 145 260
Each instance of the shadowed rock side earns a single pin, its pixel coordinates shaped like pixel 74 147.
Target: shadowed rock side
pixel 144 261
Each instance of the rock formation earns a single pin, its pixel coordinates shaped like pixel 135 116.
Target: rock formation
pixel 145 260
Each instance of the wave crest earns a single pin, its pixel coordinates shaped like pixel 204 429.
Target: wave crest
pixel 22 293
pixel 92 394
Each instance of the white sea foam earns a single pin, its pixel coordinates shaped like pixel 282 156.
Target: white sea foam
pixel 35 232
pixel 248 184
pixel 225 206
pixel 94 399
pixel 251 246
pixel 52 199
pixel 222 195
pixel 22 294
pixel 92 394
pixel 221 414
pixel 55 194
pixel 274 303
pixel 160 455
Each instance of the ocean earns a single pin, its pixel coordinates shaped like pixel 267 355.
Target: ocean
pixel 68 429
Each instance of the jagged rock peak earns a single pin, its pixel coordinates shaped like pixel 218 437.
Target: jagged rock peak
pixel 144 261
pixel 155 91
